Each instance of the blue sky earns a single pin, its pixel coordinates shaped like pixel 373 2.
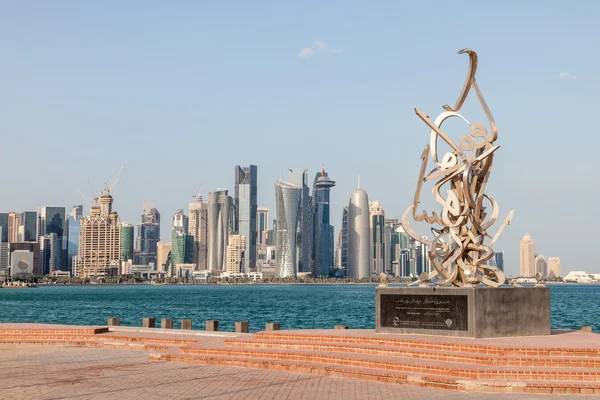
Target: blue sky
pixel 182 92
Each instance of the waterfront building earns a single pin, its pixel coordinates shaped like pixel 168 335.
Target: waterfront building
pixel 52 220
pixel 50 248
pixel 162 255
pixel 3 251
pixel 13 227
pixel 359 242
pixel 377 230
pixel 541 266
pixel 74 225
pixel 527 256
pixel 236 248
pixel 4 227
pixel 499 257
pixel 322 245
pixel 220 218
pixel 288 197
pixel 182 249
pixel 262 227
pixel 127 239
pixel 198 228
pixel 404 263
pixel 24 258
pixel 246 208
pixel 299 177
pixel 100 242
pixel 27 230
pixel 148 235
pixel 344 245
pixel 554 267
pixel 424 256
pixel 390 255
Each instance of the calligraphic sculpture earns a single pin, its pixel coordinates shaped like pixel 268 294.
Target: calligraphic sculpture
pixel 457 251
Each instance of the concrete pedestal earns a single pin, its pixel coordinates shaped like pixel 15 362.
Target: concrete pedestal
pixel 212 325
pixel 186 324
pixel 114 321
pixel 242 327
pixel 272 326
pixel 148 322
pixel 469 312
pixel 166 323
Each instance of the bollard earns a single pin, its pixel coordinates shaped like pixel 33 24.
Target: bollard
pixel 166 323
pixel 212 325
pixel 340 327
pixel 114 321
pixel 242 327
pixel 186 324
pixel 272 326
pixel 586 328
pixel 148 322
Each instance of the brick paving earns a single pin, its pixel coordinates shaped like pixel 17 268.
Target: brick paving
pixel 63 372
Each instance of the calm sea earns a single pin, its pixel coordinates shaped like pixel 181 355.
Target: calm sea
pixel 293 306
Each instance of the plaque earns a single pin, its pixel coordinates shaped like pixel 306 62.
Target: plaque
pixel 442 312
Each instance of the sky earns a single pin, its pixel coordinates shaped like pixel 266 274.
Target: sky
pixel 183 91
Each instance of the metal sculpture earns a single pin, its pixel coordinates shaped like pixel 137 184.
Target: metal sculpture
pixel 457 251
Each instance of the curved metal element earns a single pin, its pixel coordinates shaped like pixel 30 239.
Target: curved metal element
pixel 461 178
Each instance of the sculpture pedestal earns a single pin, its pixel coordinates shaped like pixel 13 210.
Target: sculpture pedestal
pixel 477 312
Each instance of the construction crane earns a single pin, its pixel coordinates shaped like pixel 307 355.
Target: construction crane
pixel 108 187
pixel 195 194
pixel 85 197
pixel 94 192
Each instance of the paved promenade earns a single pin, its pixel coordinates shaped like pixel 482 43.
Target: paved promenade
pixel 62 372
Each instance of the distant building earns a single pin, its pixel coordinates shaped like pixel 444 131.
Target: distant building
pixel 235 254
pixel 541 266
pixel 344 245
pixel 13 227
pixel 299 177
pixel 52 220
pixel 100 241
pixel 288 197
pixel 377 230
pixel 27 230
pixel 198 228
pixel 163 251
pixel 148 235
pixel 3 249
pixel 262 227
pixel 554 267
pixel 182 251
pixel 74 224
pixel 392 251
pixel 499 257
pixel 527 256
pixel 359 238
pixel 322 232
pixel 127 239
pixel 24 258
pixel 180 221
pixel 220 226
pixel 50 249
pixel 246 180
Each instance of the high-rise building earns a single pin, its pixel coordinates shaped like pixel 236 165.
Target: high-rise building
pixel 299 177
pixel 180 221
pixel 424 259
pixel 24 258
pixel 198 228
pixel 246 179
pixel 262 227
pixel 182 250
pixel 148 235
pixel 50 249
pixel 27 230
pixel 220 218
pixel 235 254
pixel 127 239
pixel 4 226
pixel 52 219
pixel 74 223
pixel 322 232
pixel 359 238
pixel 541 266
pixel 554 267
pixel 390 258
pixel 13 227
pixel 100 241
pixel 377 228
pixel 527 256
pixel 163 250
pixel 288 198
pixel 3 251
pixel 404 263
pixel 499 256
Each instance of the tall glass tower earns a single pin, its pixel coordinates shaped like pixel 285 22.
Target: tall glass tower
pixel 245 211
pixel 148 235
pixel 287 202
pixel 52 220
pixel 75 217
pixel 220 216
pixel 322 238
pixel 299 177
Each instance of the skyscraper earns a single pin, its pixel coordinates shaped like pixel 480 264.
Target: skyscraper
pixel 74 220
pixel 220 218
pixel 359 238
pixel 262 227
pixel 322 231
pixel 235 254
pixel 148 235
pixel 288 198
pixel 377 228
pixel 163 249
pixel 344 245
pixel 27 230
pixel 390 258
pixel 127 236
pixel 299 177
pixel 541 266
pixel 52 220
pixel 180 221
pixel 198 228
pixel 100 241
pixel 527 256
pixel 245 211
pixel 499 256
pixel 13 227
pixel 182 250
pixel 50 249
pixel 554 267
pixel 4 226
pixel 4 244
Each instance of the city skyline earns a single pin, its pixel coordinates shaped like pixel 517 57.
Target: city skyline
pixel 91 98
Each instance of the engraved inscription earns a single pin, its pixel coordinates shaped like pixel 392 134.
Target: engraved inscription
pixel 445 312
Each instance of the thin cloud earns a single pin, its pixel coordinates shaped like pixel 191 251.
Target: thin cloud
pixel 318 46
pixel 564 75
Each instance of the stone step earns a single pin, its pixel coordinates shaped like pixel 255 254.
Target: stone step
pixel 105 336
pixel 426 367
pixel 388 376
pixel 89 343
pixel 425 354
pixel 461 346
pixel 57 331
